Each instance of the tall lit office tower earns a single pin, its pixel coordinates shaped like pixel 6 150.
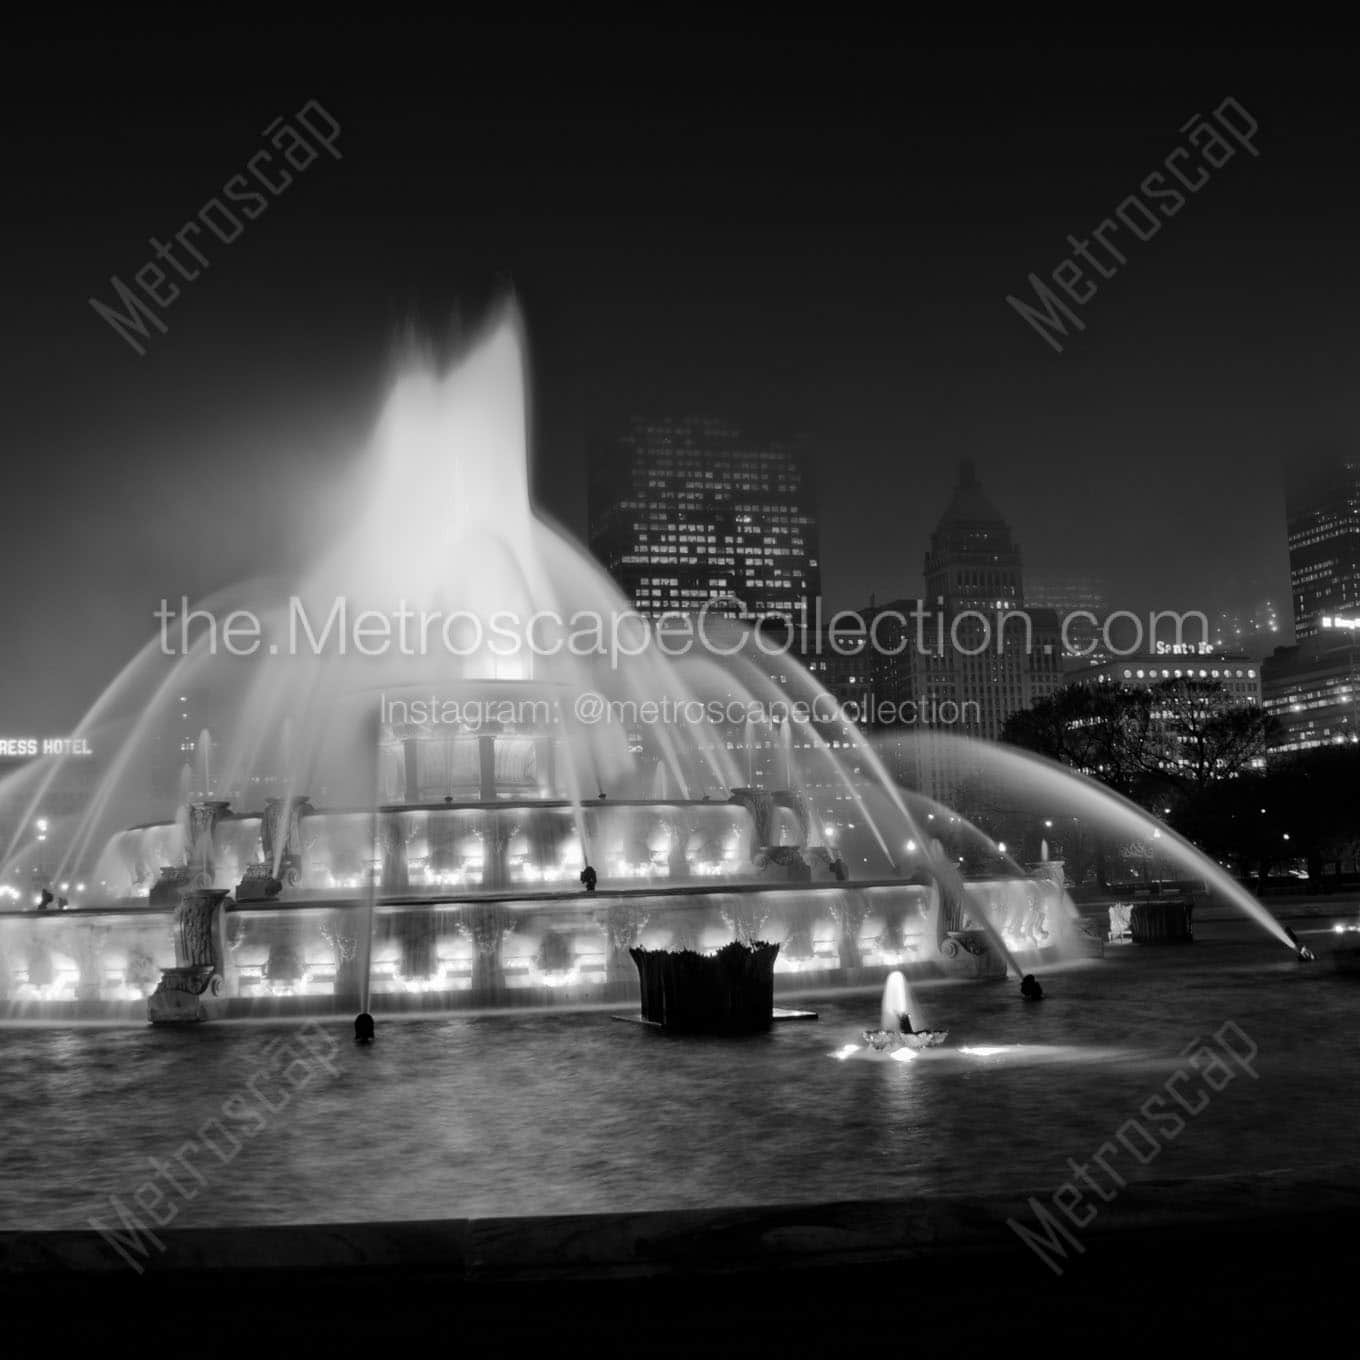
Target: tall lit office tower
pixel 1323 506
pixel 685 511
pixel 973 562
pixel 973 577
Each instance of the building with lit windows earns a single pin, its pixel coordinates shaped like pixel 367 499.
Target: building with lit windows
pixel 685 511
pixel 998 658
pixel 1082 598
pixel 1312 687
pixel 1239 676
pixel 1323 506
pixel 1222 683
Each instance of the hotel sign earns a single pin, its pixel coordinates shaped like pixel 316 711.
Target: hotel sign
pixel 1336 621
pixel 21 748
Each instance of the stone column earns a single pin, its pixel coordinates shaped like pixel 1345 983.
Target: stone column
pixel 486 926
pixel 411 760
pixel 679 864
pixel 85 947
pixel 496 836
pixel 203 820
pixel 418 935
pixel 341 932
pixel 281 836
pixel 194 988
pixel 545 758
pixel 800 916
pixel 486 766
pixel 286 963
pixel 849 913
pixel 622 924
pixel 392 833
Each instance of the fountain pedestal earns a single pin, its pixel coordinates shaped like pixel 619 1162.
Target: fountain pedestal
pixel 258 884
pixel 194 988
pixel 730 992
pixel 170 887
pixel 1162 923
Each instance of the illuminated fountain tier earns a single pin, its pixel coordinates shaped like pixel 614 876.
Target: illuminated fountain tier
pixel 438 820
pixel 307 950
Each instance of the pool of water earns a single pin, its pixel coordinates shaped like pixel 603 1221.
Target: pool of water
pixel 510 1114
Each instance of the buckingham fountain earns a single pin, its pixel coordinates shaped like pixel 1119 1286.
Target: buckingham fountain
pixel 403 802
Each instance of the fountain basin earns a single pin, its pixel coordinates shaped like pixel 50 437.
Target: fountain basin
pixel 889 1041
pixel 307 953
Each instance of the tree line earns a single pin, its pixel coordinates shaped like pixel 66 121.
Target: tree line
pixel 1188 752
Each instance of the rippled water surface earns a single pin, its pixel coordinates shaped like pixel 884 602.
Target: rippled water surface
pixel 453 1116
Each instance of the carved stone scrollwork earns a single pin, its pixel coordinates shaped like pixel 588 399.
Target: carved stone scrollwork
pixel 622 925
pixel 174 881
pixel 785 862
pixel 760 804
pixel 281 840
pixel 201 855
pixel 970 953
pixel 186 990
pixel 745 918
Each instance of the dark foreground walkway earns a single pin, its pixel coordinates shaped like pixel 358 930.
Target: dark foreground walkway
pixel 1236 1265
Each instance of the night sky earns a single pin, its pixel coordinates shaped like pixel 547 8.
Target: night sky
pixel 810 233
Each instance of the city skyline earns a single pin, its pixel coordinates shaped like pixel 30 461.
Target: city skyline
pixel 831 541
pixel 829 272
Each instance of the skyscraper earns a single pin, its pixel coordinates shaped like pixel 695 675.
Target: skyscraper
pixel 998 658
pixel 973 563
pixel 684 511
pixel 1323 506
